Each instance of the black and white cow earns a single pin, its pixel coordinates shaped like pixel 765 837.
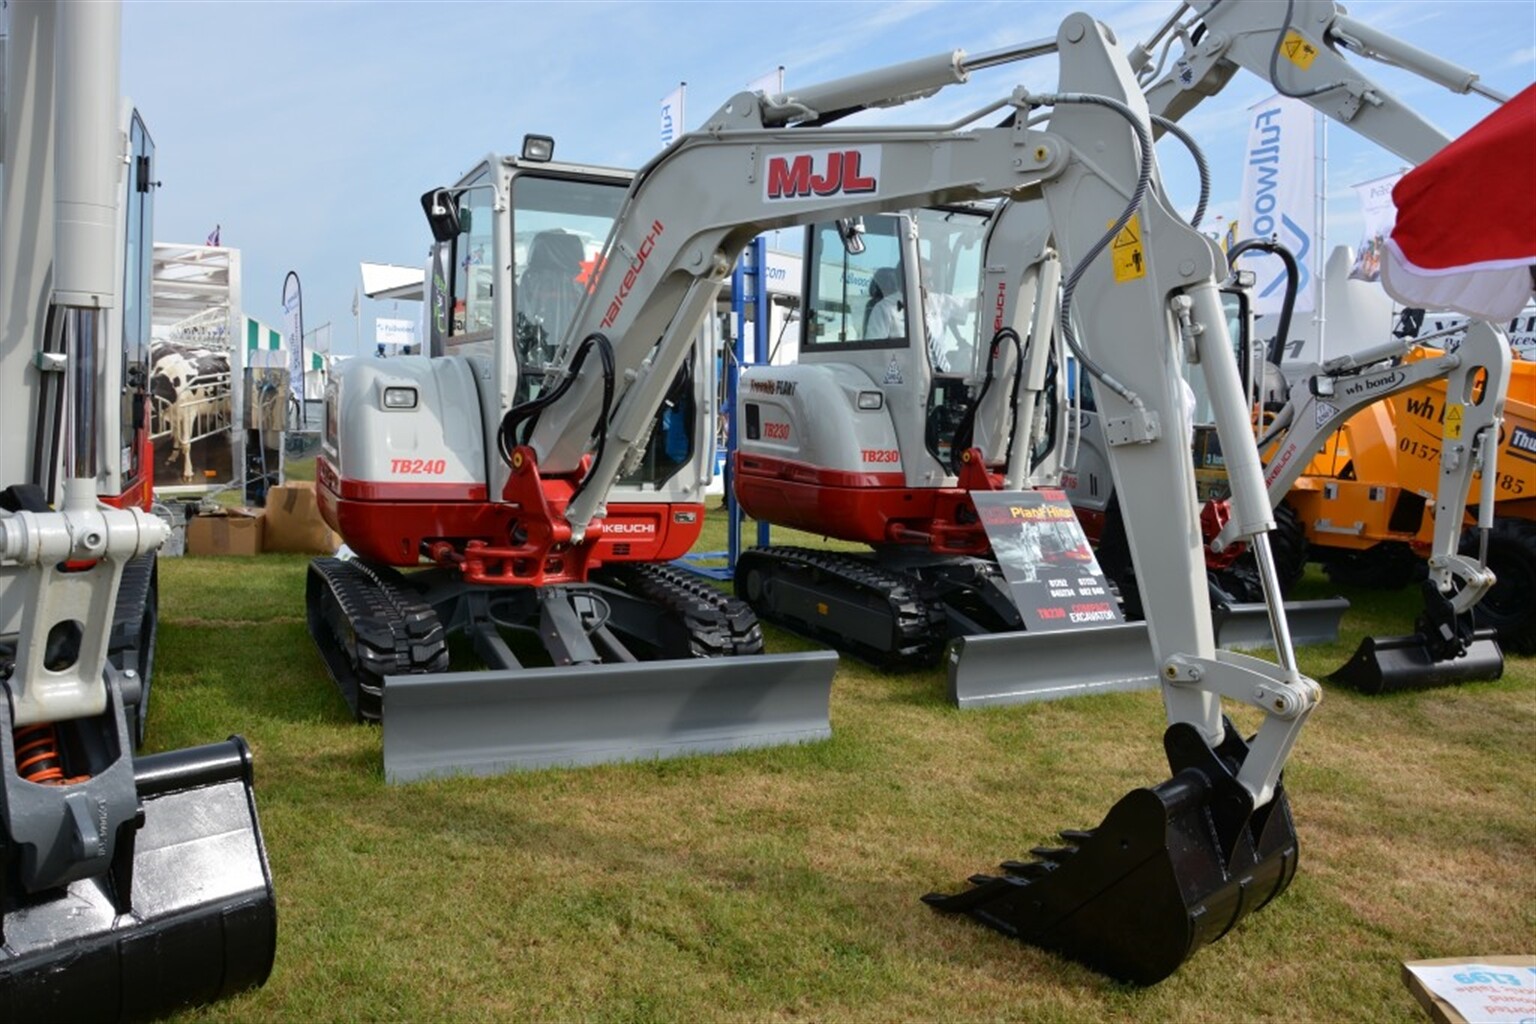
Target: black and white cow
pixel 189 388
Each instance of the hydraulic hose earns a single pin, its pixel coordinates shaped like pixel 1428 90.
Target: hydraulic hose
pixel 965 433
pixel 521 419
pixel 1143 179
pixel 1292 285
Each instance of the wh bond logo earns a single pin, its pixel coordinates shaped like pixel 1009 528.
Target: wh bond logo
pixel 822 173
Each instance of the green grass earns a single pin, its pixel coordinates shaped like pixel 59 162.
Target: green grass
pixel 784 884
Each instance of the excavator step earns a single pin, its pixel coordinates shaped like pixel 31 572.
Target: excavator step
pixel 1169 870
pixel 1391 664
pixel 201 923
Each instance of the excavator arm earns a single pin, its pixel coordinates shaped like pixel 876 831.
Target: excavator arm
pixel 1299 47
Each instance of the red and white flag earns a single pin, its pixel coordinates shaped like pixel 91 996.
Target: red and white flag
pixel 1465 237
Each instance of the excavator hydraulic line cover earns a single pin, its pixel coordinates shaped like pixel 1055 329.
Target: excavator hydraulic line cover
pixel 1171 868
pixel 187 914
pixel 1391 664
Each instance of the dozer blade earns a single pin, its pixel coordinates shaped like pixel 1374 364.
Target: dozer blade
pixel 202 921
pixel 1018 668
pixel 1390 664
pixel 1171 868
pixel 1245 626
pixel 486 723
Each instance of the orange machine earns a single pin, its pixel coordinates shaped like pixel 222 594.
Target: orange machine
pixel 1367 500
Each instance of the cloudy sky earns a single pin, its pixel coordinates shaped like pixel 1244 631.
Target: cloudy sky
pixel 308 130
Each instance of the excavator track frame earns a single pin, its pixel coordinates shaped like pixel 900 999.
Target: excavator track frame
pixel 794 587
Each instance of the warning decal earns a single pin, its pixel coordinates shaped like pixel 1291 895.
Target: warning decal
pixel 1129 261
pixel 1453 416
pixel 1298 51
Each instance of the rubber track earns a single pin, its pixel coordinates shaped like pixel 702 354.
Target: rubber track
pixel 369 626
pixel 718 625
pixel 132 593
pixel 917 614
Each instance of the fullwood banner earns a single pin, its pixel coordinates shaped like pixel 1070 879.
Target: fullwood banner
pixel 1279 198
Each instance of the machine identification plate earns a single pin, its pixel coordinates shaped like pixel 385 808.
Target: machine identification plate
pixel 1052 575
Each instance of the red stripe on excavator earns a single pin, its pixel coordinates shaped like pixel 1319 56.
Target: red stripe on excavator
pixel 799 472
pixel 362 490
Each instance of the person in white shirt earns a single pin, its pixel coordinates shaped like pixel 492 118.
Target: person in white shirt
pixel 943 316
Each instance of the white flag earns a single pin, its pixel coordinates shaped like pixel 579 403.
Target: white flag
pixel 770 84
pixel 672 114
pixel 1378 212
pixel 1279 198
pixel 293 333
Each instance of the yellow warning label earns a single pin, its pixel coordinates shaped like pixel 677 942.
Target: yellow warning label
pixel 1298 51
pixel 1453 422
pixel 1126 251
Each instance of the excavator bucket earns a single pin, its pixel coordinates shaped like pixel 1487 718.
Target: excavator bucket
pixel 1445 648
pixel 187 914
pixel 984 669
pixel 489 722
pixel 1390 664
pixel 1246 625
pixel 1171 868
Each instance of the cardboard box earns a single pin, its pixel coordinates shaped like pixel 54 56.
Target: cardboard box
pixel 294 523
pixel 1439 1007
pixel 236 531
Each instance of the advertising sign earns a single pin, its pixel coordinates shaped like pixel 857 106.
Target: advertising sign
pixel 1054 579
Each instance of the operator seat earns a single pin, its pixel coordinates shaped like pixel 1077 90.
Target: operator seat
pixel 548 293
pixel 884 283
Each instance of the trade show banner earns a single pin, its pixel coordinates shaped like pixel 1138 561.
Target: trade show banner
pixel 1378 212
pixel 1280 198
pixel 293 334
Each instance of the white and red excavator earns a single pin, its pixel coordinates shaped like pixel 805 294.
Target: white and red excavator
pixel 517 461
pixel 130 887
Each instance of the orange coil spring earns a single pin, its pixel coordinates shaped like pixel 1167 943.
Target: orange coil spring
pixel 37 755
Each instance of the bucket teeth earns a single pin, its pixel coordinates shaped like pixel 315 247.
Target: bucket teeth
pixel 1028 869
pixel 1076 836
pixel 1160 878
pixel 1054 854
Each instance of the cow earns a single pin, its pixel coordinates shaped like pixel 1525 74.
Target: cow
pixel 189 388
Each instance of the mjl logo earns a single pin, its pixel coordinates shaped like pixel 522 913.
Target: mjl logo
pixel 1266 159
pixel 822 172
